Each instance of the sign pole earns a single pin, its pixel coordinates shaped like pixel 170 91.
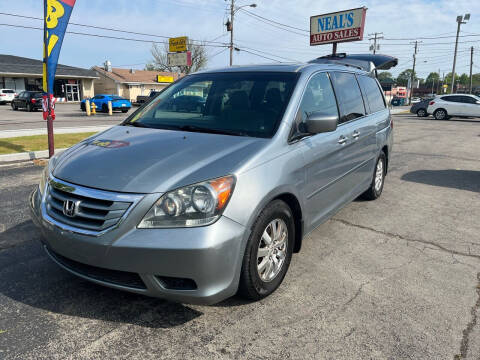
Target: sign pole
pixel 334 49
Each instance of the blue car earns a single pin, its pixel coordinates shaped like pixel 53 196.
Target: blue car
pixel 101 101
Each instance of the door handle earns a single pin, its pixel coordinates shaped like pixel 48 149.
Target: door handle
pixel 355 134
pixel 342 140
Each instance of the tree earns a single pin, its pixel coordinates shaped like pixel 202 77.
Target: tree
pixel 405 76
pixel 432 78
pixel 160 59
pixel 464 79
pixel 385 75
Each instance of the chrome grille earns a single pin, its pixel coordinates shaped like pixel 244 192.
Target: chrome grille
pixel 95 211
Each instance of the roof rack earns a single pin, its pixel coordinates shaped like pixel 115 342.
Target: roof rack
pixel 366 62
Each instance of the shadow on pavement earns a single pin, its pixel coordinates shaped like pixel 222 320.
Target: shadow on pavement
pixel 29 277
pixel 457 179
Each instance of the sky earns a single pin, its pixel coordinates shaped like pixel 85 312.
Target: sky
pixel 204 20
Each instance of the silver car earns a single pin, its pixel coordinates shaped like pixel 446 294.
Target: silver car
pixel 198 202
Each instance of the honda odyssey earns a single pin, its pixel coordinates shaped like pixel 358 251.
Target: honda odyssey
pixel 197 203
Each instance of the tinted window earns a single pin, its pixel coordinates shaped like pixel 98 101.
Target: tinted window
pixel 237 103
pixel 115 97
pixel 22 95
pixel 450 98
pixel 348 95
pixel 318 97
pixel 8 91
pixel 467 99
pixel 372 93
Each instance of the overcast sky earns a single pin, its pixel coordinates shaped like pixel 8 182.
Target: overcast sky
pixel 204 19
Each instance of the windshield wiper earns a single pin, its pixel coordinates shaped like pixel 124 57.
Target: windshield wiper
pixel 137 124
pixel 194 128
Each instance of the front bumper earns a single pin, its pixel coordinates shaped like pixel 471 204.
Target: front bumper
pixel 210 256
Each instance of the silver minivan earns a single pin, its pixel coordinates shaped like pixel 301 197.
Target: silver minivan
pixel 208 190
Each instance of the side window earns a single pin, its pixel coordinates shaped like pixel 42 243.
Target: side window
pixel 371 92
pixel 450 98
pixel 318 96
pixel 22 95
pixel 99 97
pixel 349 96
pixel 467 99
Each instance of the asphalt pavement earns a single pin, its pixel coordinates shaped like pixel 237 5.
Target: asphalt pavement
pixel 68 116
pixel 396 278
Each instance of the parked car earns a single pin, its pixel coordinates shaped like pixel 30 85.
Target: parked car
pixel 29 100
pixel 6 96
pixel 461 105
pixel 420 108
pixel 141 99
pixel 195 205
pixel 188 103
pixel 101 102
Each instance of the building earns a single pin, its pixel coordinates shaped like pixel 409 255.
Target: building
pixel 130 83
pixel 71 83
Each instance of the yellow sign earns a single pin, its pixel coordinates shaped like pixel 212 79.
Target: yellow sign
pixel 445 86
pixel 164 79
pixel 177 44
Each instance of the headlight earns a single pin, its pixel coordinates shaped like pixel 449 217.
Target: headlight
pixel 194 205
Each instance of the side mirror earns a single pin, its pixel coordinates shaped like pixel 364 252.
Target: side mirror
pixel 318 122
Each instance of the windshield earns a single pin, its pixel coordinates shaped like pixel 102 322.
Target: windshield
pixel 238 103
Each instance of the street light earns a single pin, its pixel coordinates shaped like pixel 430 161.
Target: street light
pixel 229 24
pixel 460 20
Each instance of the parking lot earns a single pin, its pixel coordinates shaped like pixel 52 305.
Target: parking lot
pixel 397 278
pixel 68 115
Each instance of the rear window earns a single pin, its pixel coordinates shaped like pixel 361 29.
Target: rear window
pixel 372 93
pixel 8 91
pixel 36 95
pixel 348 95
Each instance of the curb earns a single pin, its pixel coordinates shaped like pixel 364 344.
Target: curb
pixel 31 155
pixel 31 132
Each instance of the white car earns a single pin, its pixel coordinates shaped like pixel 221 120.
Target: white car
pixel 6 95
pixel 462 105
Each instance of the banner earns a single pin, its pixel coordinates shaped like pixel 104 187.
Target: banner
pixel 57 14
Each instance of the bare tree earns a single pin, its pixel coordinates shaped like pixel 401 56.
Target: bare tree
pixel 160 60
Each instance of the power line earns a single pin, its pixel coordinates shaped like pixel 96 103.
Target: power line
pixel 271 24
pixel 106 36
pixel 265 57
pixel 275 22
pixel 108 29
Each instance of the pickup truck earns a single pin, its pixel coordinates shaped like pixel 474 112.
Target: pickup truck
pixel 141 99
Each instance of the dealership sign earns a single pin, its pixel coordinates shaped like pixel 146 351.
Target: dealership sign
pixel 337 27
pixel 180 58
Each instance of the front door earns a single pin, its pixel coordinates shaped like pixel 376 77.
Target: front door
pixel 469 106
pixel 72 93
pixel 325 154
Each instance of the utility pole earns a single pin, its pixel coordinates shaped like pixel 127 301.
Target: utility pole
pixel 232 14
pixel 439 88
pixel 471 64
pixel 375 38
pixel 412 78
pixel 460 20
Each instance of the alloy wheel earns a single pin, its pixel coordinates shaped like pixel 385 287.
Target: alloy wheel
pixel 379 175
pixel 272 250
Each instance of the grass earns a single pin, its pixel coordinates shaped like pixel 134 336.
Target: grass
pixel 39 142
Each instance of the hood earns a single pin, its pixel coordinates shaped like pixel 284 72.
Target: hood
pixel 140 160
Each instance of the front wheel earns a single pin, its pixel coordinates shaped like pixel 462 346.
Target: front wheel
pixel 422 113
pixel 105 108
pixel 268 253
pixel 376 186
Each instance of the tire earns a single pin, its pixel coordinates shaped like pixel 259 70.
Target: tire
pixel 124 111
pixel 378 179
pixel 259 276
pixel 29 108
pixel 105 108
pixel 440 114
pixel 422 113
pixel 14 107
pixel 82 107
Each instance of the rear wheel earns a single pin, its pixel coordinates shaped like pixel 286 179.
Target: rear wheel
pixel 105 108
pixel 376 186
pixel 422 113
pixel 268 253
pixel 440 114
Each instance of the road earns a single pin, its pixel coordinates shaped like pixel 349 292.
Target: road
pixel 68 115
pixel 397 278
